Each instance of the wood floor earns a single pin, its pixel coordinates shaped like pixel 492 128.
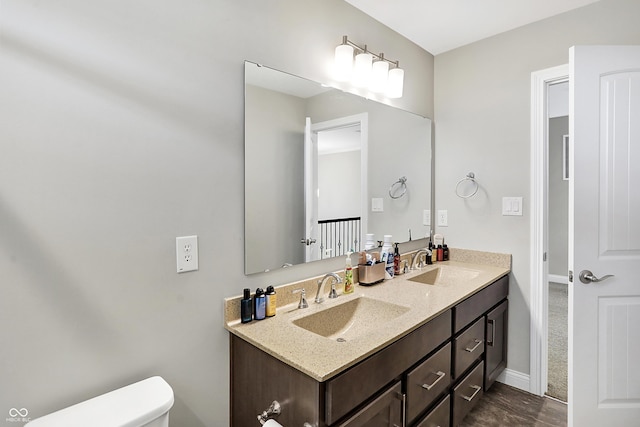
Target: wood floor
pixel 507 406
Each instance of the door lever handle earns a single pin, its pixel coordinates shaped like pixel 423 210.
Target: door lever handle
pixel 587 277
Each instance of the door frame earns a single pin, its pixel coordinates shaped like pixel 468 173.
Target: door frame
pixel 539 294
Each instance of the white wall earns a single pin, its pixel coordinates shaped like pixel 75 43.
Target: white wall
pixel 339 184
pixel 274 186
pixel 482 123
pixel 121 127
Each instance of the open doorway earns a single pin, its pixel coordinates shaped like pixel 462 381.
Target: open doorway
pixel 548 300
pixel 558 239
pixel 336 185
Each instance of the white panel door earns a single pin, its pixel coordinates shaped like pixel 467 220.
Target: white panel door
pixel 604 236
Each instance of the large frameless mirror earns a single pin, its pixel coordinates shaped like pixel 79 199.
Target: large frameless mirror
pixel 323 168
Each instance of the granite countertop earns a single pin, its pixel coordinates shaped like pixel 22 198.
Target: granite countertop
pixel 322 358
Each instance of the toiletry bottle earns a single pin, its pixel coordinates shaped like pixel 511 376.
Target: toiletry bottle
pixel 245 307
pixel 386 254
pixel 445 252
pixel 270 295
pixel 348 276
pixel 259 304
pixel 396 260
pixel 440 253
pixel 434 255
pixel 428 257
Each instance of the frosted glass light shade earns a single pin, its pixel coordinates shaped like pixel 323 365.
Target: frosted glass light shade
pixel 343 62
pixel 362 69
pixel 395 83
pixel 379 76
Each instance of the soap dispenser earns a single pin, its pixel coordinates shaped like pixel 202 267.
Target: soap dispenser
pixel 348 275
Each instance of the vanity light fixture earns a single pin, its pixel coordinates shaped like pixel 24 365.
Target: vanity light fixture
pixel 368 69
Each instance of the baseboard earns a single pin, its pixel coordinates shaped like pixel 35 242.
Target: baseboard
pixel 556 278
pixel 514 379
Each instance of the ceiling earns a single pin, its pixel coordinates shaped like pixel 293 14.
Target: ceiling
pixel 441 25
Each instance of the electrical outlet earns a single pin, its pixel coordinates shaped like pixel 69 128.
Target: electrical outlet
pixel 426 217
pixel 442 218
pixel 187 253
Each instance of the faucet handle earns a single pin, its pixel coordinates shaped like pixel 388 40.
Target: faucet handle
pixel 303 297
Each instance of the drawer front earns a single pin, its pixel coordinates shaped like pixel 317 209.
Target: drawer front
pixel 467 394
pixel 439 416
pixel 468 347
pixel 428 381
pixel 384 411
pixel 475 306
pixel 348 390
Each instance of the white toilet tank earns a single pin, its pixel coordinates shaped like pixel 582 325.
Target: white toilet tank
pixel 142 404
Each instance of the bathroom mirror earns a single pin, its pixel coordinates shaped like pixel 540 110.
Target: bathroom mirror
pixel 324 167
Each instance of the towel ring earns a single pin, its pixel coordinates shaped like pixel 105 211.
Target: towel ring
pixel 399 184
pixel 470 177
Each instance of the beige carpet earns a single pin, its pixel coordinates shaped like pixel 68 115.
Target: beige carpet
pixel 557 369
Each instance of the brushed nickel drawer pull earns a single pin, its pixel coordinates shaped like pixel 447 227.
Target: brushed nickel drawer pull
pixel 471 350
pixel 477 389
pixel 440 375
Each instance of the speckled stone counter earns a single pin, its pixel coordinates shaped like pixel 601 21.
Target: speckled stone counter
pixel 322 358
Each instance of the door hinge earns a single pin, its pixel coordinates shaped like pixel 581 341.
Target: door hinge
pixel 544 257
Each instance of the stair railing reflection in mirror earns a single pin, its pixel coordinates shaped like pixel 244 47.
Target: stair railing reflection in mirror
pixel 339 236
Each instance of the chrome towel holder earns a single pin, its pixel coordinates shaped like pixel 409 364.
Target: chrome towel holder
pixel 399 185
pixel 470 177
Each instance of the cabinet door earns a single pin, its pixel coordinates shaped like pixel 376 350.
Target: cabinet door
pixel 496 349
pixel 384 411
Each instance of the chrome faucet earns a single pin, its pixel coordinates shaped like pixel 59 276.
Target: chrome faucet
pixel 416 258
pixel 321 282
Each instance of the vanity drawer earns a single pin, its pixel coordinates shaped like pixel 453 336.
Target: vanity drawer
pixel 348 390
pixel 475 306
pixel 468 347
pixel 467 394
pixel 427 381
pixel 439 416
pixel 384 411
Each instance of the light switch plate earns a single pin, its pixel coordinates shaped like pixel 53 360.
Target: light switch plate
pixel 187 253
pixel 512 206
pixel 377 204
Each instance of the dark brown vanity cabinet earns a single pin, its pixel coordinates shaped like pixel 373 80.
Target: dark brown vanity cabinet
pixel 431 377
